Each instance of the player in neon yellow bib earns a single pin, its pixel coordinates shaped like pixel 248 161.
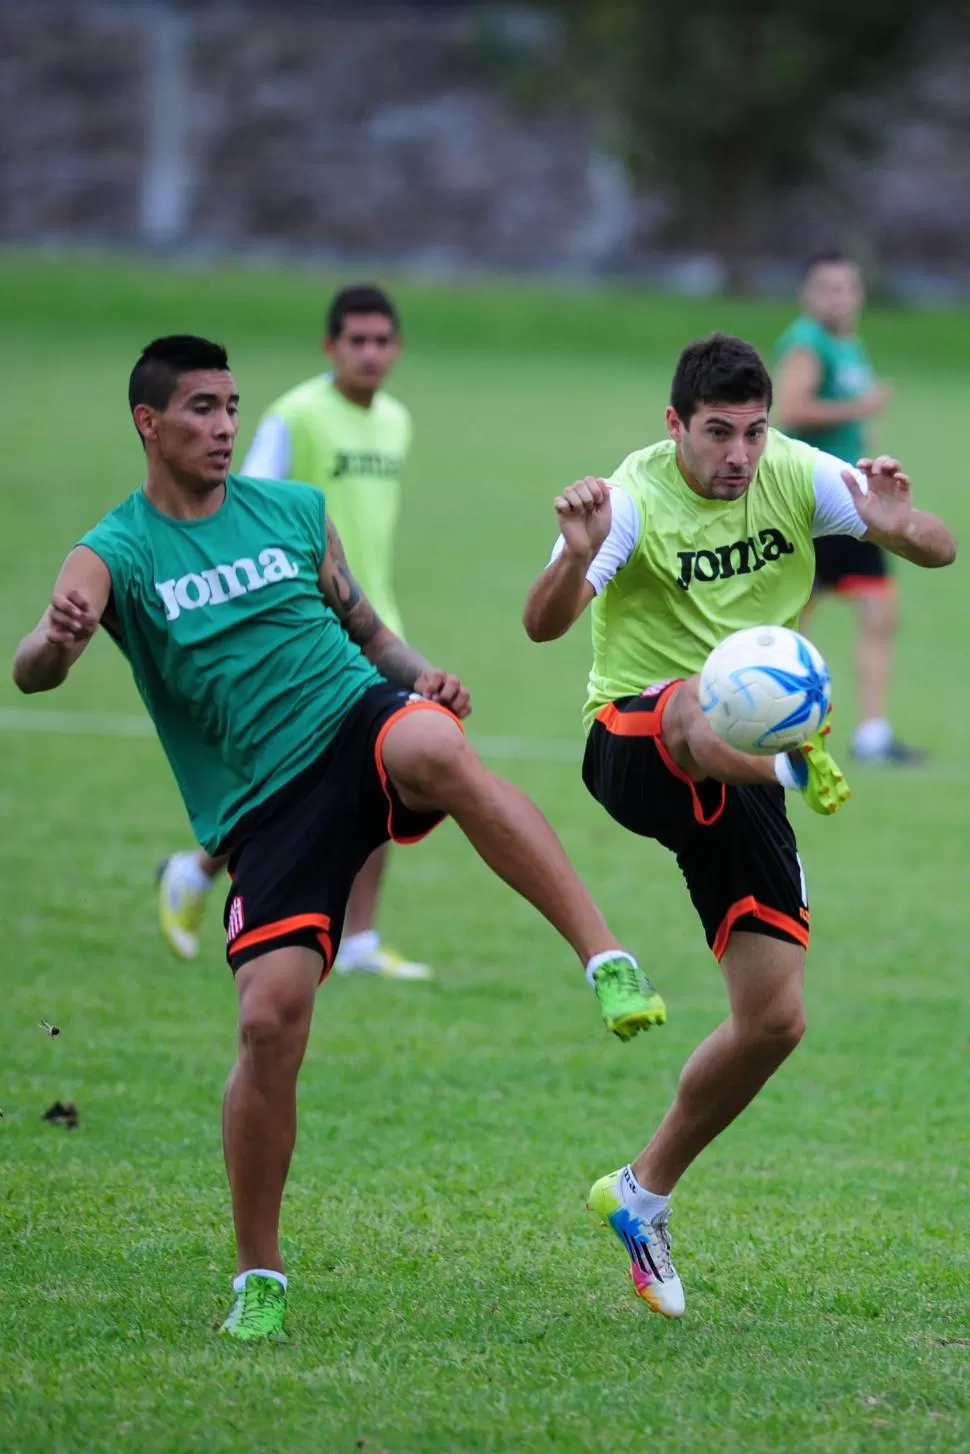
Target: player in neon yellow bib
pixel 343 433
pixel 708 532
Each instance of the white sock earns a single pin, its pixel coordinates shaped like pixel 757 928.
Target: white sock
pixel 185 871
pixel 872 737
pixel 359 946
pixel 785 773
pixel 599 959
pixel 240 1282
pixel 645 1204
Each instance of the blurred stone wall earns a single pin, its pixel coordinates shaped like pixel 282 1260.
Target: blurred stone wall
pixel 372 130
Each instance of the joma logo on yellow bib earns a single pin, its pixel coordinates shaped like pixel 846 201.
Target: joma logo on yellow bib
pixel 223 583
pixel 738 559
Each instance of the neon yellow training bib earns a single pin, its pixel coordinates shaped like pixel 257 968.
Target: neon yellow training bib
pixel 356 455
pixel 701 568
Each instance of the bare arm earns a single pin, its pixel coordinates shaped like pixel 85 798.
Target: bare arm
pixel 798 406
pixel 560 595
pixel 80 596
pixel 394 659
pixel 699 753
pixel 887 510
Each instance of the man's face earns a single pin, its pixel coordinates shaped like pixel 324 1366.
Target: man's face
pixel 833 294
pixel 720 448
pixel 195 433
pixel 365 350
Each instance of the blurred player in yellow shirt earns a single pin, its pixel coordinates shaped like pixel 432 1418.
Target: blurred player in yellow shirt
pixel 341 432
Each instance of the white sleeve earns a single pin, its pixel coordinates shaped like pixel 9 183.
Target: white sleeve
pixel 618 546
pixel 835 511
pixel 268 457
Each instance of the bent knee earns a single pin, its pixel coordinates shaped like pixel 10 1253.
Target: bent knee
pixel 779 1029
pixel 880 615
pixel 437 766
pixel 272 1023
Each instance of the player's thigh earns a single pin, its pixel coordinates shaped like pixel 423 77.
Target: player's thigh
pixel 765 980
pixel 744 873
pixel 878 609
pixel 424 758
pixel 294 868
pixel 628 771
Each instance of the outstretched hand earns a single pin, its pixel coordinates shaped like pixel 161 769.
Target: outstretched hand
pixel 887 506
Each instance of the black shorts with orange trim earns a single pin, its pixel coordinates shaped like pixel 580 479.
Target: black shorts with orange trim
pixel 851 567
pixel 293 859
pixel 734 845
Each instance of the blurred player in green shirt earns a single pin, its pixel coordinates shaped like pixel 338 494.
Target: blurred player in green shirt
pixel 341 432
pixel 826 392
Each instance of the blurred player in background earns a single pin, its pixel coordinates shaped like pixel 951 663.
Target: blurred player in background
pixel 701 535
pixel 341 432
pixel 826 392
pixel 303 734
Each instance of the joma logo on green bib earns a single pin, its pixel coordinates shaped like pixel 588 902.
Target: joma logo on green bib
pixel 223 583
pixel 738 559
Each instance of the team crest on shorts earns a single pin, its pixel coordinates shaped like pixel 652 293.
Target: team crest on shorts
pixel 236 920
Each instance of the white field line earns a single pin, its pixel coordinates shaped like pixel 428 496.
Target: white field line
pixel 95 724
pixel 27 720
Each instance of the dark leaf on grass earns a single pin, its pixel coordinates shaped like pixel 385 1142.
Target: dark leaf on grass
pixel 66 1112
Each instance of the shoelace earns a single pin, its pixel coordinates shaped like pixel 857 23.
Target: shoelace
pixel 661 1247
pixel 625 976
pixel 258 1297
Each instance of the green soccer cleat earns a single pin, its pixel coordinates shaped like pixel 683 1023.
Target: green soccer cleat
pixel 258 1312
pixel 627 999
pixel 821 781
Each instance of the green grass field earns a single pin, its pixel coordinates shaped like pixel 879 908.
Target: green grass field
pixel 447 1291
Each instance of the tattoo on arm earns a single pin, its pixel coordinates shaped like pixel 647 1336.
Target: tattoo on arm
pixel 394 659
pixel 344 596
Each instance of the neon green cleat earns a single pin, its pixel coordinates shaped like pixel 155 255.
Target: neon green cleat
pixel 181 903
pixel 258 1312
pixel 821 781
pixel 627 999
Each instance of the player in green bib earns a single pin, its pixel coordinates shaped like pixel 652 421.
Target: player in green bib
pixel 303 734
pixel 827 393
pixel 704 534
pixel 342 432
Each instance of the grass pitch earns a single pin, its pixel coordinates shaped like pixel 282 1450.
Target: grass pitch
pixel 448 1295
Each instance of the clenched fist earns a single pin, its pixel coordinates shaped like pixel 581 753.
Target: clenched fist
pixel 584 514
pixel 70 619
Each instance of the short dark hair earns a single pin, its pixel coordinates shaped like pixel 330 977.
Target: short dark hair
pixel 359 298
pixel 718 370
pixel 827 257
pixel 155 376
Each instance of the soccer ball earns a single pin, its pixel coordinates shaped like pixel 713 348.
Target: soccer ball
pixel 765 690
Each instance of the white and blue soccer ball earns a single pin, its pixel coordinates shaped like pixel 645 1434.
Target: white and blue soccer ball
pixel 765 690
